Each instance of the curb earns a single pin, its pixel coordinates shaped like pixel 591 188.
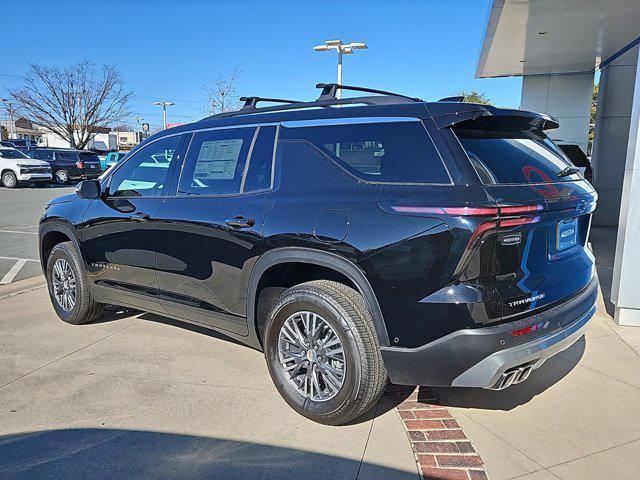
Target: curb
pixel 22 286
pixel 441 448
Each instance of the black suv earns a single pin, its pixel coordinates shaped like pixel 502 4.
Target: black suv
pixel 68 164
pixel 432 243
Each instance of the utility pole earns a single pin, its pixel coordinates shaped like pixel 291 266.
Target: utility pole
pixel 164 106
pixel 9 107
pixel 341 49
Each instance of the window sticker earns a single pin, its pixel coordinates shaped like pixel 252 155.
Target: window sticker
pixel 218 159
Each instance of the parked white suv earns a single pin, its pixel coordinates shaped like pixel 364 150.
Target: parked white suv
pixel 16 167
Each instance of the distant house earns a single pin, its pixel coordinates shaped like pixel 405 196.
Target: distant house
pixel 23 129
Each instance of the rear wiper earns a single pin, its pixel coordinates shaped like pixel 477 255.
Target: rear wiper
pixel 570 170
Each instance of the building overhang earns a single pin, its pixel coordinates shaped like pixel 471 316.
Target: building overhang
pixel 542 37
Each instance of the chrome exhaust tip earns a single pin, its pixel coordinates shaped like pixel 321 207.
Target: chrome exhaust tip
pixel 513 376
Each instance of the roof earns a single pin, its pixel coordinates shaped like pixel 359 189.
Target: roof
pixel 540 37
pixel 444 113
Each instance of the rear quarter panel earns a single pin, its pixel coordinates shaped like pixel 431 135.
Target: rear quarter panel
pixel 405 258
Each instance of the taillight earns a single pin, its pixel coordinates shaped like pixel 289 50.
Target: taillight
pixel 498 213
pixel 471 211
pixel 505 210
pixel 457 211
pixel 499 223
pixel 80 164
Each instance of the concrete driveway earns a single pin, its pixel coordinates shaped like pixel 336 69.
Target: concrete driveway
pixel 141 396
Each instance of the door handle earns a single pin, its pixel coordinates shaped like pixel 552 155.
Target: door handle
pixel 139 217
pixel 240 222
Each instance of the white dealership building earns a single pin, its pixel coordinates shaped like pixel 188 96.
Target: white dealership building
pixel 557 46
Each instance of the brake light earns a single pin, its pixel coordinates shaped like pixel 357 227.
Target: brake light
pixel 520 209
pixel 471 211
pixel 498 212
pixel 458 211
pixel 80 164
pixel 482 228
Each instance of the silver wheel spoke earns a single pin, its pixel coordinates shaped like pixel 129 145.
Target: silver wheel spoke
pixel 312 356
pixel 63 283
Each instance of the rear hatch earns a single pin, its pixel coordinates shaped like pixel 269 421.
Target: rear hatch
pixel 540 256
pixel 90 162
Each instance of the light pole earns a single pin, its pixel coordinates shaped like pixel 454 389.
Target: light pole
pixel 138 136
pixel 342 49
pixel 164 106
pixel 9 107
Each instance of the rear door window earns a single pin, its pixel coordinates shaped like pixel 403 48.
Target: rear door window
pixel 215 162
pixel 389 152
pixel 43 154
pixel 527 157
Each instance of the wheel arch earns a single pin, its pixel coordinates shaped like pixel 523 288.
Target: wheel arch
pixel 51 234
pixel 319 258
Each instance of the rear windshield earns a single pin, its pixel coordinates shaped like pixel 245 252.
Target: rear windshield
pixel 90 156
pixel 394 152
pixel 514 157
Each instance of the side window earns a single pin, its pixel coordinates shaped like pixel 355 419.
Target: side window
pixel 215 162
pixel 43 154
pixel 395 152
pixel 259 171
pixel 145 173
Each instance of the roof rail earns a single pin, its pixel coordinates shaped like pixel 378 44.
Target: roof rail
pixel 251 102
pixel 456 98
pixel 329 91
pixel 326 99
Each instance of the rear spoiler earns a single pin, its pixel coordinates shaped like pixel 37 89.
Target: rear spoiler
pixel 486 117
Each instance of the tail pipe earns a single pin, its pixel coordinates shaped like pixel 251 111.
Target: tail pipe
pixel 512 376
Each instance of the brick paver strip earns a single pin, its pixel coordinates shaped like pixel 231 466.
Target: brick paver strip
pixel 441 448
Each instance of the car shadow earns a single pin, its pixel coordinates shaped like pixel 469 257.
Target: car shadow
pixel 393 396
pixel 550 373
pixel 106 453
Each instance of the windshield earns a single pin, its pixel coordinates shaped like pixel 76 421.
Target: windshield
pixel 514 157
pixel 11 153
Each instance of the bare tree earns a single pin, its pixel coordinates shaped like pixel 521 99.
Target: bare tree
pixel 73 101
pixel 222 95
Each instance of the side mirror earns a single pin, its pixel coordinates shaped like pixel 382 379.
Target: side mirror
pixel 89 189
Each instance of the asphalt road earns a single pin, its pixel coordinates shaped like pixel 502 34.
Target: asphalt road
pixel 20 211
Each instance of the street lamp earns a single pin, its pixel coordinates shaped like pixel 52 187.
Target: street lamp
pixel 9 107
pixel 342 49
pixel 138 136
pixel 164 106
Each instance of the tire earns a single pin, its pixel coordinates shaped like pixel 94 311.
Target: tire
pixel 61 177
pixel 84 309
pixel 9 179
pixel 364 375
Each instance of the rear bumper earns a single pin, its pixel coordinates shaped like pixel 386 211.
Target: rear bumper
pixel 88 175
pixel 480 357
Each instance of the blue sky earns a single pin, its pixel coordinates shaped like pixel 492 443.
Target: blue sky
pixel 170 49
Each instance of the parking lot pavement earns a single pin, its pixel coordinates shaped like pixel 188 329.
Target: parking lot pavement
pixel 140 396
pixel 20 211
pixel 577 417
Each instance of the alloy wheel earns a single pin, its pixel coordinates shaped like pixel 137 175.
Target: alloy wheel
pixel 63 285
pixel 61 177
pixel 312 356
